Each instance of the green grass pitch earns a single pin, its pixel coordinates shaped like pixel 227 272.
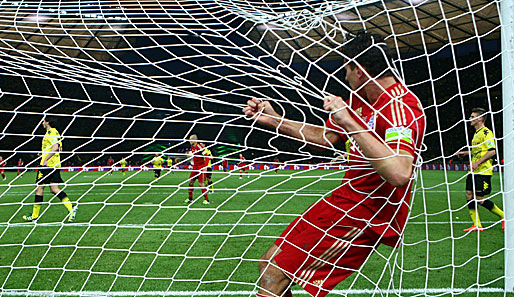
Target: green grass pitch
pixel 134 234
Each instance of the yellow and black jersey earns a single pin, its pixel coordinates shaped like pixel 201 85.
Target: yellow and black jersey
pixel 208 153
pixel 157 162
pixel 123 163
pixel 170 162
pixel 51 138
pixel 483 141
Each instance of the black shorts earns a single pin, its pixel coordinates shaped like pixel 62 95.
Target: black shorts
pixel 481 186
pixel 157 171
pixel 209 172
pixel 45 176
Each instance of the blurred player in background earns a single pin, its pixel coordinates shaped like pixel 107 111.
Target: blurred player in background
pixel 110 163
pixel 157 162
pixel 20 167
pixel 341 157
pixel 277 164
pixel 243 166
pixel 478 181
pixel 123 164
pixel 225 164
pixel 169 162
pixel 208 175
pixel 49 173
pixel 198 172
pixel 2 166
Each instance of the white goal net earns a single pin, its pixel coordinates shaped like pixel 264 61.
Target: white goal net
pixel 128 82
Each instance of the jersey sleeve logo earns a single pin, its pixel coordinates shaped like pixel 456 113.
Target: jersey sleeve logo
pixel 399 133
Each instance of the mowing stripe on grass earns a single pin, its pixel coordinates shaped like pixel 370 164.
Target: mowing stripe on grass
pixel 248 293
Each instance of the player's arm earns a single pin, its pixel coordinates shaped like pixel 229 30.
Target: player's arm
pixel 51 153
pixel 339 158
pixel 462 154
pixel 488 155
pixel 263 113
pixel 395 168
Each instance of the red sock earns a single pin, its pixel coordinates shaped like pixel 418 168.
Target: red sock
pixel 190 190
pixel 204 192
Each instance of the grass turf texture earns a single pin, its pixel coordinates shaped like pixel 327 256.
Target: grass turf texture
pixel 135 234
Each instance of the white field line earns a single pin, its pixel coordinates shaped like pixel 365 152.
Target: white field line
pixel 248 293
pixel 96 192
pixel 3 225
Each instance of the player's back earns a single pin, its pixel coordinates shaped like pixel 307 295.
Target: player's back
pixel 198 157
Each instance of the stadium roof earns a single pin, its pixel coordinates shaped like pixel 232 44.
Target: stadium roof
pixel 311 29
pixel 410 25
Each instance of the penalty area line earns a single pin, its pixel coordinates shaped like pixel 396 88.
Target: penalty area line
pixel 247 293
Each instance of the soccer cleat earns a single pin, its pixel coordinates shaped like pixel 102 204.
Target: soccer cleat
pixel 248 176
pixel 187 201
pixel 73 214
pixel 29 218
pixel 205 202
pixel 503 225
pixel 473 228
pixel 240 177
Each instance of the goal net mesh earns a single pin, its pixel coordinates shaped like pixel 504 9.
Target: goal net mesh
pixel 132 79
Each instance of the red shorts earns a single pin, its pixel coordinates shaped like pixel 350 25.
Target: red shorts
pixel 197 173
pixel 322 247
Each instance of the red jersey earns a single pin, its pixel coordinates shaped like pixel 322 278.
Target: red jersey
pixel 2 163
pixel 110 162
pixel 242 161
pixel 199 160
pixel 397 119
pixel 20 163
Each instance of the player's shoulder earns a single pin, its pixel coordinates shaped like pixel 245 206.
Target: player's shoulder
pixel 487 132
pixel 402 105
pixel 53 132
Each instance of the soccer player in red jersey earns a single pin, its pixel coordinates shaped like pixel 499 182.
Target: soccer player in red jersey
pixel 20 166
pixel 110 163
pixel 337 234
pixel 198 172
pixel 2 165
pixel 276 161
pixel 225 165
pixel 243 166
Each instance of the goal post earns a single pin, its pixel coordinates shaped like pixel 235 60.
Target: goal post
pixel 507 18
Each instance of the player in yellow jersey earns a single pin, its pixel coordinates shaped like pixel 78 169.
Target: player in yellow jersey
pixel 123 164
pixel 170 164
pixel 478 182
pixel 49 173
pixel 208 156
pixel 157 165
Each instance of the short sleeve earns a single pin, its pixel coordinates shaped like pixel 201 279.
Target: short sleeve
pixel 489 140
pixel 333 128
pixel 403 124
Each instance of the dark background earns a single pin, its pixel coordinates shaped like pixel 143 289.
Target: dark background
pixel 172 84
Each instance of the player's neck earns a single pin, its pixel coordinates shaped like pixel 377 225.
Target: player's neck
pixel 376 88
pixel 479 126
